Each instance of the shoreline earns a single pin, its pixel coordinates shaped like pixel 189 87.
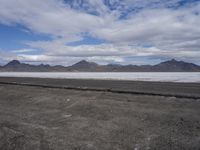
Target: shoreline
pixel 174 77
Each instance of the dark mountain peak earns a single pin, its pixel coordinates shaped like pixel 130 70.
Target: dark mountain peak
pixel 174 66
pixel 114 65
pixel 84 63
pixel 173 60
pixel 170 62
pixel 13 63
pixel 176 62
pixel 83 60
pixel 44 65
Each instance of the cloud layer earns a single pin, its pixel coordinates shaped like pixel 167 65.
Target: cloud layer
pixel 130 28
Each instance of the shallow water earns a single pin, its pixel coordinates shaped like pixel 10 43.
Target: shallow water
pixel 134 76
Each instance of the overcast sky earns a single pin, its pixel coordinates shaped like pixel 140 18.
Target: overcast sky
pixel 103 31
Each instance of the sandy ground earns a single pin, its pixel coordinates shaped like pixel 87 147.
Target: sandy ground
pixel 36 118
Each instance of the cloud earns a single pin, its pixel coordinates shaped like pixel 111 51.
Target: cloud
pixel 24 50
pixel 52 17
pixel 6 56
pixel 155 26
pixel 150 3
pixel 147 28
pixel 108 53
pixel 67 61
pixel 58 48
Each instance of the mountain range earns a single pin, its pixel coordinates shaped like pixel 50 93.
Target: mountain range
pixel 85 66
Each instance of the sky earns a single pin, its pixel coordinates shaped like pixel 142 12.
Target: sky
pixel 103 31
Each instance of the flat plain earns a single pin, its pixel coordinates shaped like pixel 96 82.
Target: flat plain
pixel 48 118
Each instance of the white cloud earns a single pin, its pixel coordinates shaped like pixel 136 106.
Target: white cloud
pixel 107 53
pixel 67 61
pixel 169 32
pixel 6 56
pixel 24 50
pixel 51 17
pixel 159 27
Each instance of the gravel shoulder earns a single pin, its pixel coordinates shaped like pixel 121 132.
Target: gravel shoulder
pixel 36 118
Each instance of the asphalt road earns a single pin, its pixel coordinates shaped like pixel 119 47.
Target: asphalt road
pixel 157 88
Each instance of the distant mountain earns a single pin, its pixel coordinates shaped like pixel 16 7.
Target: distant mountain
pixel 176 66
pixel 85 66
pixel 17 66
pixel 13 63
